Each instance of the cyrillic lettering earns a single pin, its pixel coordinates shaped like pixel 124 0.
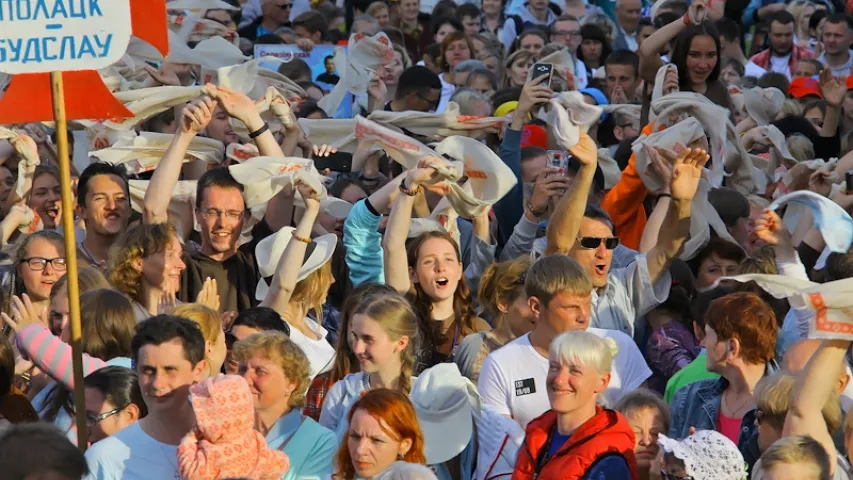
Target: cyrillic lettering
pixel 8 10
pixel 2 51
pixel 94 9
pixel 41 8
pixel 32 53
pixel 81 13
pixel 59 9
pixel 45 49
pixel 86 48
pixel 23 10
pixel 105 46
pixel 15 46
pixel 66 48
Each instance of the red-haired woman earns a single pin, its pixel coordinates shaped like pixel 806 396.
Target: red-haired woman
pixel 383 429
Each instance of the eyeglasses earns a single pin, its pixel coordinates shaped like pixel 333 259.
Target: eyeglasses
pixel 286 6
pixel 432 103
pixel 92 420
pixel 39 263
pixel 212 213
pixel 593 242
pixel 563 33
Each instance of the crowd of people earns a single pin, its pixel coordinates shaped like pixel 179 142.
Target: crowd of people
pixel 481 239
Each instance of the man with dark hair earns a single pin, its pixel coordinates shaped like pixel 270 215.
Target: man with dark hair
pixel 622 70
pixel 249 322
pixel 168 355
pixel 837 39
pixel 729 32
pixel 329 75
pixel 534 13
pixel 103 203
pixel 783 54
pixel 310 28
pixel 274 14
pixel 567 31
pixel 470 15
pixel 296 70
pixel 419 89
pixel 36 451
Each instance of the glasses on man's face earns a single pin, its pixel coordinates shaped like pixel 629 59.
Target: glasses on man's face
pixel 214 213
pixel 430 102
pixel 92 420
pixel 39 263
pixel 286 6
pixel 570 33
pixel 590 243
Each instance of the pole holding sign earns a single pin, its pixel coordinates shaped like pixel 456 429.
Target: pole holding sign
pixel 53 49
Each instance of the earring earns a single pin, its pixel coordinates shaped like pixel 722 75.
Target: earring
pixel 399 456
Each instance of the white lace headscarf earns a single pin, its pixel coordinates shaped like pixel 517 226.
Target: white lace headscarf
pixel 707 455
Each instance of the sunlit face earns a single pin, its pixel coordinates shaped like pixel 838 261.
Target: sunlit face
pixel 717 350
pixel 371 448
pixel 596 261
pixel 239 332
pixel 519 316
pixel 518 71
pixel 409 10
pixel 96 405
pixel 59 311
pixel 791 471
pixel 624 77
pixel 532 43
pixel 270 386
pixel 438 269
pixel 443 31
pixel 815 117
pixel 457 52
pixel 805 69
pixel 165 376
pixel 730 76
pixel 107 209
pixel 222 216
pixel 162 270
pixel 39 282
pixel 7 183
pixel 371 344
pixel 565 312
pixel 591 50
pixel 382 17
pixel 393 70
pixel 647 424
pixel 701 59
pixel 220 128
pixel 46 199
pixel 712 268
pixel 572 385
pixel 768 432
pixel 781 38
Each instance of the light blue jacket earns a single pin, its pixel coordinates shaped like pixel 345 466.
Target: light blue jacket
pixel 310 447
pixel 338 401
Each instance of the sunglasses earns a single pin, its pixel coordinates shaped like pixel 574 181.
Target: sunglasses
pixel 286 6
pixel 593 242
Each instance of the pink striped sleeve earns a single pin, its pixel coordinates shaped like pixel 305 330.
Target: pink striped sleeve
pixel 52 355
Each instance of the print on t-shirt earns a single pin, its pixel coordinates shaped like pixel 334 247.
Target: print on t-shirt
pixel 525 387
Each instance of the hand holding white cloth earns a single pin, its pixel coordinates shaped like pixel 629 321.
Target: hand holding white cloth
pixel 834 223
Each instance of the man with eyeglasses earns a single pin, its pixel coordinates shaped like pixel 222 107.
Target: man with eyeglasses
pixel 567 31
pixel 274 15
pixel 585 233
pixel 419 89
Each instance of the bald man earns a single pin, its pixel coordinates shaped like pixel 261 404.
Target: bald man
pixel 799 354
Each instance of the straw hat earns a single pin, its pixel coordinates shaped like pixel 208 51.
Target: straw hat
pixel 269 251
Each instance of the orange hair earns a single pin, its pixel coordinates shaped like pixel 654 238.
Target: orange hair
pixel 397 418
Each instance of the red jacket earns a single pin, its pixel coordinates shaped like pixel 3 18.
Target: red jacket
pixel 605 433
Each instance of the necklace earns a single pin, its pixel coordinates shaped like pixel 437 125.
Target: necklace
pixel 734 412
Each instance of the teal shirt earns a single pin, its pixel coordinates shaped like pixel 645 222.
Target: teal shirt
pixel 310 447
pixel 693 372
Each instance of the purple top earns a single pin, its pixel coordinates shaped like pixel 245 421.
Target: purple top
pixel 670 348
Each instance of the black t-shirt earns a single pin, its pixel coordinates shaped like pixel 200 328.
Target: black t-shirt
pixel 329 78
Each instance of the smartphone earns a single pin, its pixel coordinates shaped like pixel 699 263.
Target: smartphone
pixel 848 179
pixel 336 162
pixel 540 69
pixel 559 159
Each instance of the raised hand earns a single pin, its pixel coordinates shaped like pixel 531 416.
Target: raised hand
pixel 662 161
pixel 670 82
pixel 697 13
pixel 686 172
pixel 832 90
pixel 819 181
pixel 209 295
pixel 237 104
pixel 167 303
pixel 24 314
pixel 533 94
pixel 196 115
pixel 550 184
pixel 770 229
pixel 309 196
pixel 163 76
pixel 424 172
pixel 585 151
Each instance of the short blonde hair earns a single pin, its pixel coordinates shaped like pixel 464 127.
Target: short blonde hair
pixel 207 319
pixel 773 397
pixel 799 450
pixel 276 347
pixel 801 147
pixel 553 274
pixel 584 348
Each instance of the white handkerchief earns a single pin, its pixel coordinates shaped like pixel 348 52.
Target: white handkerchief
pixel 834 223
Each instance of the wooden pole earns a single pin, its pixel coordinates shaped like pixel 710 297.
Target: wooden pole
pixel 58 99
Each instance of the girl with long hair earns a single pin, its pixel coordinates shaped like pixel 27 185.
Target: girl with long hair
pixel 431 275
pixel 383 428
pixel 517 67
pixel 383 333
pixel 38 263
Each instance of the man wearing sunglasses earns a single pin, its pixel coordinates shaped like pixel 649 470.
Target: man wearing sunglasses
pixel 419 89
pixel 274 15
pixel 585 233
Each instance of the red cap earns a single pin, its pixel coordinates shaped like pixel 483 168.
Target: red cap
pixel 802 86
pixel 534 136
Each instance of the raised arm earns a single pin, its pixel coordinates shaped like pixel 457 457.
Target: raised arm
pixel 833 92
pixel 287 271
pixel 686 172
pixel 566 220
pixel 397 229
pixel 194 118
pixel 653 225
pixel 243 109
pixel 814 387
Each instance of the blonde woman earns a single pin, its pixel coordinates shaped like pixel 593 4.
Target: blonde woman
pixel 516 68
pixel 383 333
pixel 501 294
pixel 210 323
pixel 802 11
pixel 379 11
pixel 277 373
pixel 579 372
pixel 800 457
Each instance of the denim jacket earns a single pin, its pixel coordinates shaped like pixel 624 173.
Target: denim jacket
pixel 698 404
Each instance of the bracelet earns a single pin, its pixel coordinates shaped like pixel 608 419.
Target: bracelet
pixel 664 195
pixel 301 239
pixel 533 211
pixel 257 133
pixel 408 192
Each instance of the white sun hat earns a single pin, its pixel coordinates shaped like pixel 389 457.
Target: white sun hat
pixel 445 403
pixel 763 104
pixel 707 455
pixel 269 251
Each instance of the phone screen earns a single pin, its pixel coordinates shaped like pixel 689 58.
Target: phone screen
pixel 540 69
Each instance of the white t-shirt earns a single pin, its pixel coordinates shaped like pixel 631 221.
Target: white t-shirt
pixel 780 65
pixel 447 90
pixel 752 69
pixel 512 380
pixel 132 455
pixel 320 352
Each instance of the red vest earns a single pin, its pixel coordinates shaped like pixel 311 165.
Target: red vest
pixel 605 433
